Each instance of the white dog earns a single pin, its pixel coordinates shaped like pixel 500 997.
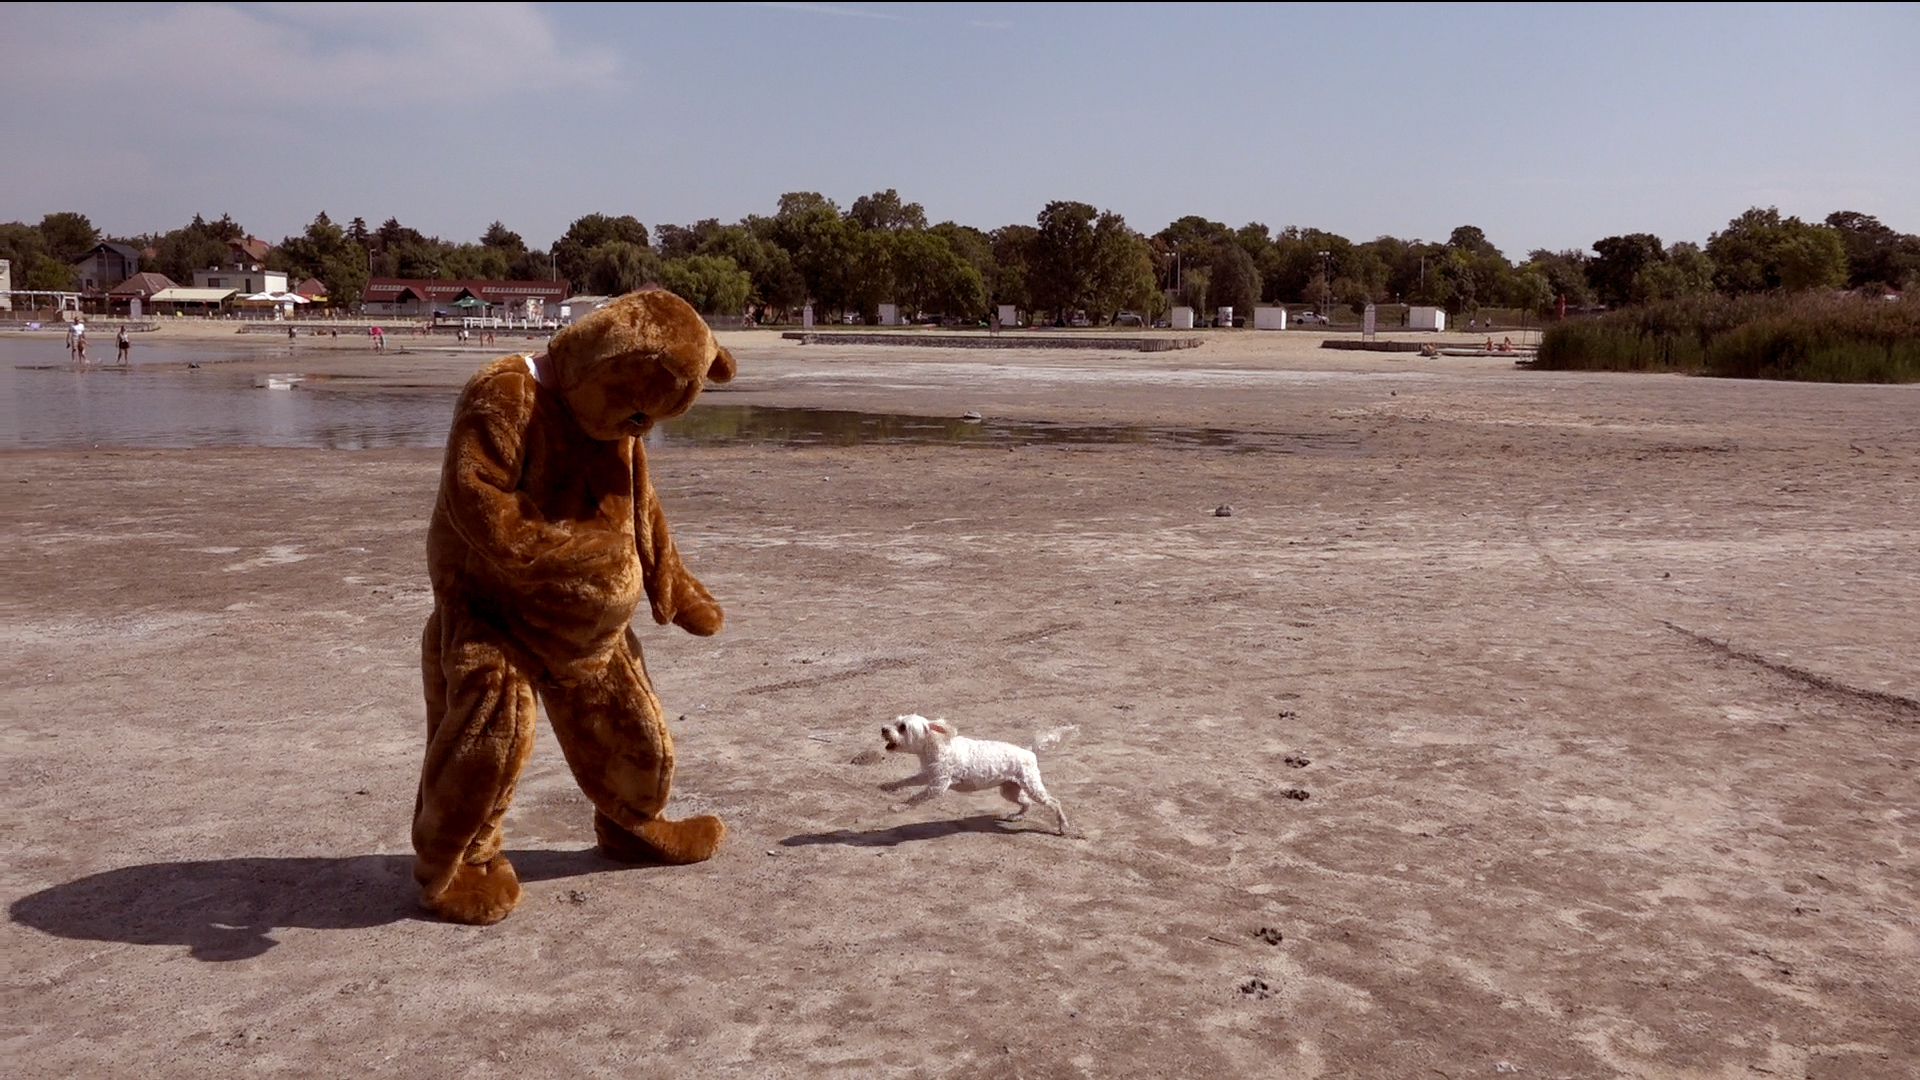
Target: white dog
pixel 948 761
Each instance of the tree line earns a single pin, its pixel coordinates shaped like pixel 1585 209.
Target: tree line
pixel 1074 260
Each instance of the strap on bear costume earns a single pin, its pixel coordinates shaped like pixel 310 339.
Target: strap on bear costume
pixel 542 373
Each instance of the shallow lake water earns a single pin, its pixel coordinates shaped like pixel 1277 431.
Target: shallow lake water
pixel 157 404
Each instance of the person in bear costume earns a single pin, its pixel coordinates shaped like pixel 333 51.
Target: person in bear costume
pixel 545 534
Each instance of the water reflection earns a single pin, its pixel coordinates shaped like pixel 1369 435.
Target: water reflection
pixel 708 424
pixel 63 408
pixel 58 408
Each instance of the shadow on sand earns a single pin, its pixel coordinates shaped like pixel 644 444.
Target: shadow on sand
pixel 227 909
pixel 902 834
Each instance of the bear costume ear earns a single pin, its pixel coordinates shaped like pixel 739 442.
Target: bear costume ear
pixel 723 367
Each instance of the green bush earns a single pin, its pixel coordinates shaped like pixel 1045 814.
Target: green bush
pixel 1809 336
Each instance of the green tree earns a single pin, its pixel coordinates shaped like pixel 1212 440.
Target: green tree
pixel 1566 274
pixel 818 241
pixel 34 266
pixel 1618 260
pixel 1063 257
pixel 1685 271
pixel 930 278
pixel 620 266
pixel 1013 253
pixel 1876 254
pixel 197 246
pixel 1760 251
pixel 68 235
pixel 1233 279
pixel 328 252
pixel 1123 267
pixel 713 284
pixel 502 238
pixel 469 262
pixel 883 210
pixel 574 254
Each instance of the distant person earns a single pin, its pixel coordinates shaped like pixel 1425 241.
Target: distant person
pixel 123 343
pixel 73 339
pixel 80 342
pixel 290 333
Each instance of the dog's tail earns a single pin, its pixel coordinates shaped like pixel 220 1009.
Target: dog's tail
pixel 1047 739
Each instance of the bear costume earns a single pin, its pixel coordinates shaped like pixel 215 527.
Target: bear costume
pixel 544 536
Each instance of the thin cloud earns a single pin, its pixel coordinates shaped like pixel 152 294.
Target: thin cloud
pixel 825 9
pixel 344 55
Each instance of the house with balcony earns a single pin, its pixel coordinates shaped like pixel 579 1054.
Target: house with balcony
pixel 107 264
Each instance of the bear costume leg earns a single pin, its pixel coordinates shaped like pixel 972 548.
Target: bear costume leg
pixel 480 726
pixel 614 735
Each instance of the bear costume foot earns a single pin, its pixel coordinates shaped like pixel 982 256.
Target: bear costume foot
pixel 479 895
pixel 690 840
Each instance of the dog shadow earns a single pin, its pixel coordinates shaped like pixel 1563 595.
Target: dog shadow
pixel 228 909
pixel 903 834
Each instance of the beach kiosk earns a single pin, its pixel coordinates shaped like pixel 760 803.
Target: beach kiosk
pixel 1180 318
pixel 1269 318
pixel 1426 318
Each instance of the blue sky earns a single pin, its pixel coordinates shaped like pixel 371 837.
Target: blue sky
pixel 1546 126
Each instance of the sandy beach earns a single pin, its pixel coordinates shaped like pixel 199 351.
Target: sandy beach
pixel 1513 722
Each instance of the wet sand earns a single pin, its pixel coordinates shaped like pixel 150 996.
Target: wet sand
pixel 1554 725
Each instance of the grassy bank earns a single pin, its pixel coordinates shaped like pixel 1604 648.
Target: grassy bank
pixel 1811 337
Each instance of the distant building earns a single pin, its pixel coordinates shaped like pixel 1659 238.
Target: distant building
pixel 106 265
pixel 243 278
pixel 535 300
pixel 250 250
pixel 6 284
pixel 192 301
pixel 141 287
pixel 313 289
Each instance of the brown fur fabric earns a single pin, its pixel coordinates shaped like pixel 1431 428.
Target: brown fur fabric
pixel 545 535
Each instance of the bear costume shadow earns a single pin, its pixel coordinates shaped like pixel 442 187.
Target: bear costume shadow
pixel 228 909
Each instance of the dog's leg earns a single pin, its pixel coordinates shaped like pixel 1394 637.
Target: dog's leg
pixel 932 791
pixel 1039 792
pixel 1013 792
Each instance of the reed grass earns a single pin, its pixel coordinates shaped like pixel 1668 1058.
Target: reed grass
pixel 1812 337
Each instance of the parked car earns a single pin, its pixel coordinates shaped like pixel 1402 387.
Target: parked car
pixel 1306 318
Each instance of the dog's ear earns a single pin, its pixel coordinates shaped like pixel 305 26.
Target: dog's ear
pixel 941 727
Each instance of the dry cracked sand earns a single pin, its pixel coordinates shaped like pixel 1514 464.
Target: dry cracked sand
pixel 1512 723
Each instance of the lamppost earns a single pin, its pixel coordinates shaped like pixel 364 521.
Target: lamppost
pixel 1326 285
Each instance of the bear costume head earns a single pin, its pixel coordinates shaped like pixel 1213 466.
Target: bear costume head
pixel 638 360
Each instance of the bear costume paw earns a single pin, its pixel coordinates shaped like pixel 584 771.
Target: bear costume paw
pixel 479 895
pixel 676 843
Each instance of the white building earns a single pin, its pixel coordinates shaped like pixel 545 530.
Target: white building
pixel 1181 318
pixel 1426 318
pixel 243 278
pixel 6 285
pixel 1269 318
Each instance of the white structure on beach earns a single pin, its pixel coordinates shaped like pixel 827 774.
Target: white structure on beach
pixel 1269 318
pixel 1426 318
pixel 890 315
pixel 6 284
pixel 1180 318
